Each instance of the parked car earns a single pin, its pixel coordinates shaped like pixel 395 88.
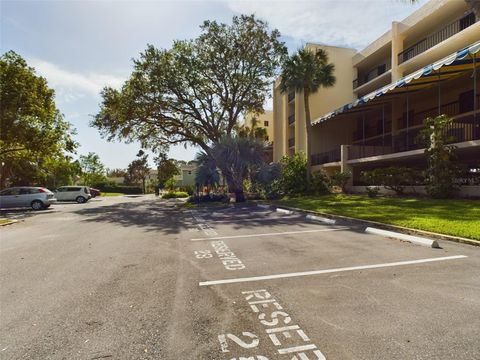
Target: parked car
pixel 95 192
pixel 80 194
pixel 37 198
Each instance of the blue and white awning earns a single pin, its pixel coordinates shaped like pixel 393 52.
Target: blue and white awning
pixel 413 79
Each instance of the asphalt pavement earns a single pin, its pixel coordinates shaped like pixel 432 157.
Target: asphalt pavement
pixel 139 278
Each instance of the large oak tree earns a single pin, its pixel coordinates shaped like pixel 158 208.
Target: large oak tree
pixel 33 132
pixel 197 91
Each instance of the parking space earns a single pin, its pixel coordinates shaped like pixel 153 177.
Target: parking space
pixel 304 290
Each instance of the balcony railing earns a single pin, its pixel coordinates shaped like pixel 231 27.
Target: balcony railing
pixel 326 157
pixel 372 74
pixel 291 96
pixel 360 151
pixel 430 41
pixel 291 119
pixel 291 142
pixel 464 128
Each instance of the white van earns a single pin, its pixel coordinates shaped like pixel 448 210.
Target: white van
pixel 80 194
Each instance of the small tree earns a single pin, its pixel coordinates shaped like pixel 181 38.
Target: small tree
pixel 442 169
pixel 166 169
pixel 138 170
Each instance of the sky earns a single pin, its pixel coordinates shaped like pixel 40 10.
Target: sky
pixel 82 46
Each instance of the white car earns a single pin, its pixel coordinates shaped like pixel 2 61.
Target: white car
pixel 80 194
pixel 37 198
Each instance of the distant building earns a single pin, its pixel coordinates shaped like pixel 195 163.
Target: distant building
pixel 187 175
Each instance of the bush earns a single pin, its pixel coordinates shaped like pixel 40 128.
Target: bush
pixel 174 195
pixel 267 181
pixel 208 198
pixel 294 174
pixel 372 191
pixel 391 178
pixel 340 179
pixel 129 190
pixel 320 184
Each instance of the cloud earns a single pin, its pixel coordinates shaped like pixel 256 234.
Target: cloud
pixel 349 23
pixel 71 86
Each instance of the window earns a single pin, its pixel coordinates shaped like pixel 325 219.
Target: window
pixel 265 123
pixel 72 189
pixel 189 173
pixel 266 138
pixel 26 191
pixel 9 192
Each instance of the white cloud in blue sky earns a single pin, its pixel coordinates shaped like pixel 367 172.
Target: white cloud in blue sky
pixel 82 46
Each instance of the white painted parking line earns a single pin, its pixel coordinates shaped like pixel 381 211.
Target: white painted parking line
pixel 283 218
pixel 268 234
pixel 328 271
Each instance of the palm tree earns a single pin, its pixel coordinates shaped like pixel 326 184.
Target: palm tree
pixel 307 70
pixel 235 156
pixel 207 173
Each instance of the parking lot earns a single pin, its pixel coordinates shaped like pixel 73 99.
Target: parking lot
pixel 300 290
pixel 143 279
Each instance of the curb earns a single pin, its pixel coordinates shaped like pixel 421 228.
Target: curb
pixel 322 219
pixel 284 211
pixel 399 229
pixel 10 222
pixel 413 239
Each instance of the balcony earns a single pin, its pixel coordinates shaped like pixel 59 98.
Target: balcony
pixel 441 35
pixel 326 157
pixel 291 119
pixel 291 142
pixel 291 96
pixel 464 128
pixel 372 74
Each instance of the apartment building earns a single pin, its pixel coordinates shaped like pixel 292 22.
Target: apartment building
pixel 425 65
pixel 263 121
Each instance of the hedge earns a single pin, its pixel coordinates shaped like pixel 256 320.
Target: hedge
pixel 130 190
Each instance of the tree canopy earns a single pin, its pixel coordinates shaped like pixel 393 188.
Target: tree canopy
pixel 138 170
pixel 93 170
pixel 196 91
pixel 32 131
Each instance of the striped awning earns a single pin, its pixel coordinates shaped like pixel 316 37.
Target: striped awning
pixel 438 71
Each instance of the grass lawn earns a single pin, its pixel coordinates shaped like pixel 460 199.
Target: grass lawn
pixel 457 217
pixel 111 194
pixel 4 221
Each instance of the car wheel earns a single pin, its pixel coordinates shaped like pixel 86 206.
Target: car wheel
pixel 80 199
pixel 36 205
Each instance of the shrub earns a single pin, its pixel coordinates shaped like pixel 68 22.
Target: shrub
pixel 340 179
pixel 208 198
pixel 129 190
pixel 320 183
pixel 267 181
pixel 175 194
pixel 372 191
pixel 392 178
pixel 294 174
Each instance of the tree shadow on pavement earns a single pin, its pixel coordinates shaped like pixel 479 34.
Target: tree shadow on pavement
pixel 149 216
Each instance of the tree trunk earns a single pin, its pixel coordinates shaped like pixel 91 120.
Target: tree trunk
pixel 308 130
pixel 234 187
